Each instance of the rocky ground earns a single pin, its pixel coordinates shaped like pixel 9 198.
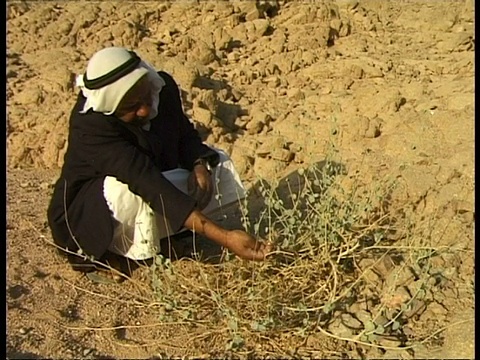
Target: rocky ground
pixel 277 84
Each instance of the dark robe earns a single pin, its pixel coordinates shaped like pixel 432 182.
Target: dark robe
pixel 100 146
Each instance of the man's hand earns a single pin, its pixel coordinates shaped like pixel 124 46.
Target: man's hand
pixel 238 241
pixel 200 185
pixel 246 246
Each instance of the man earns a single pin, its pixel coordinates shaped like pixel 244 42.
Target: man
pixel 136 170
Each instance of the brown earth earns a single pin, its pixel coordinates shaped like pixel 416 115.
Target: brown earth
pixel 390 83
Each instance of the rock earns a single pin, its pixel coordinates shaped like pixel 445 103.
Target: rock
pixel 416 308
pixel 202 53
pixel 268 168
pixel 336 25
pixel 273 82
pixel 373 129
pixel 397 298
pixel 345 29
pixel 275 148
pixel 338 328
pixel 255 126
pixel 365 127
pixel 434 311
pixel 347 4
pixel 29 96
pixel 351 322
pixel 468 11
pixel 234 56
pixel 277 43
pixel 309 58
pixel 356 72
pixel 295 94
pixel 395 102
pixel 373 72
pixel 203 116
pixel 209 101
pixel 306 14
pixel 364 316
pixel 243 163
pixel 186 75
pixel 87 351
pixel 390 343
pixel 396 354
pixel 260 27
pixel 253 14
pixel 366 266
pixel 381 320
pixel 228 113
pixel 221 39
pixel 257 114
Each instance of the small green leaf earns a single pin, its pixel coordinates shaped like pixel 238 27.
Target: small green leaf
pixel 232 324
pixel 369 326
pixel 421 294
pixel 395 325
pixel 256 326
pixel 379 330
pixel 327 308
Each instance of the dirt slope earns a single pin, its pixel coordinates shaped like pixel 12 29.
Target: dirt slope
pixel 275 84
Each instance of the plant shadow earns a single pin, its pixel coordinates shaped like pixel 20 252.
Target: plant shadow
pixel 288 187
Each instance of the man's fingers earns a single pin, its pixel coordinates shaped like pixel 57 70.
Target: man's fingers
pixel 269 247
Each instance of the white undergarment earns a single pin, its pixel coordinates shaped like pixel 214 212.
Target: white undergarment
pixel 138 228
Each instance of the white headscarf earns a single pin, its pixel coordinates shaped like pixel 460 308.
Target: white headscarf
pixel 106 99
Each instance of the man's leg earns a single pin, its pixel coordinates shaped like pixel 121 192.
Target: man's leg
pixel 138 228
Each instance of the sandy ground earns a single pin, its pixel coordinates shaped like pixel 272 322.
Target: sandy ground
pixel 390 83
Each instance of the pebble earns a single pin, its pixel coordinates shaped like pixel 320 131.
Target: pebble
pixel 87 352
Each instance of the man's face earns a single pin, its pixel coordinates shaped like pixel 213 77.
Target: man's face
pixel 135 106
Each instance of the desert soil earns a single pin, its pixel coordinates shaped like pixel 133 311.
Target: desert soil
pixel 390 83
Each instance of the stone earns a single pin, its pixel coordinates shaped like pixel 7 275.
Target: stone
pixel 203 116
pixel 209 101
pixel 255 126
pixel 338 328
pixel 295 94
pixel 260 27
pixel 356 72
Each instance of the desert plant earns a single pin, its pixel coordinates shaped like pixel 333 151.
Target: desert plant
pixel 325 232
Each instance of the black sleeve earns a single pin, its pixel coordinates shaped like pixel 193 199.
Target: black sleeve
pixel 191 145
pixel 105 147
